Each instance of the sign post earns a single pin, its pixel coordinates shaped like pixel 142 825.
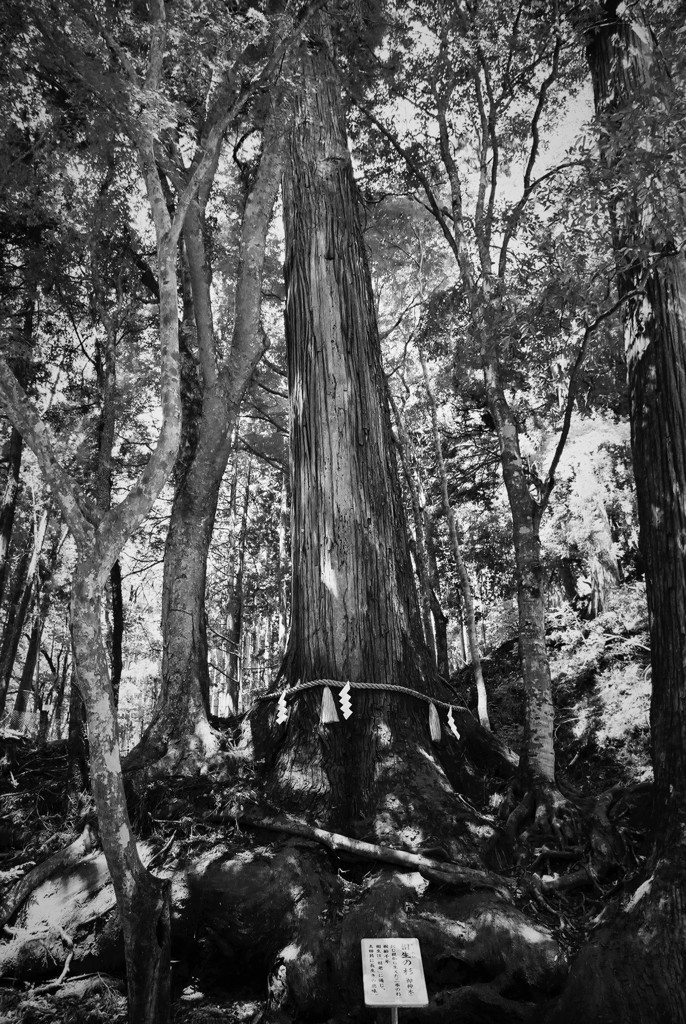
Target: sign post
pixel 393 974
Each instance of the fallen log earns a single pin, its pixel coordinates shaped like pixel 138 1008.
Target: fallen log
pixel 442 872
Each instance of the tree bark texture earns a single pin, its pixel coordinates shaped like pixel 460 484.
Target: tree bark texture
pixel 418 548
pixel 234 612
pixel 283 567
pixel 440 619
pixel 116 637
pixel 28 672
pixel 538 760
pixel 462 574
pixel 41 605
pixel 8 503
pixel 60 685
pixel 19 609
pixel 354 612
pixel 210 409
pixel 652 275
pixel 636 968
pixel 143 900
pixel 25 373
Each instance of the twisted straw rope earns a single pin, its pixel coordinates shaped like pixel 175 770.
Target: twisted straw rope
pixel 274 695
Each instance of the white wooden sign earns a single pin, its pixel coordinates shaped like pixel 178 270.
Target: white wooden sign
pixel 393 973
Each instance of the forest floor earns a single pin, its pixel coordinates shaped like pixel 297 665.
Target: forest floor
pixel 602 690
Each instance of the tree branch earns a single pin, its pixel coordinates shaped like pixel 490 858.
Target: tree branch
pixel 419 175
pixel 24 416
pixel 528 186
pixel 572 390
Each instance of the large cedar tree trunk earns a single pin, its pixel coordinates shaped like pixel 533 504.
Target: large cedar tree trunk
pixel 635 969
pixel 355 614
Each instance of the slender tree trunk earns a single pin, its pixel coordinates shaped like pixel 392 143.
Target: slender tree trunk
pixel 538 760
pixel 8 633
pixel 144 900
pixel 106 374
pixel 635 968
pixel 28 672
pixel 234 612
pixel 28 681
pixel 25 373
pixel 42 591
pixel 419 551
pixel 117 631
pixel 62 668
pixel 8 503
pixel 213 398
pixel 19 610
pixel 77 781
pixel 463 575
pixel 440 619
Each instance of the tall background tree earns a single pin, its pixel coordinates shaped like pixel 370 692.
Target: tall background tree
pixel 635 965
pixel 487 85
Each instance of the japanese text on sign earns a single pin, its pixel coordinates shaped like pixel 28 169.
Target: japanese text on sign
pixel 392 973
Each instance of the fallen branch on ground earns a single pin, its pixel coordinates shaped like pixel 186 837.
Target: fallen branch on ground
pixel 435 871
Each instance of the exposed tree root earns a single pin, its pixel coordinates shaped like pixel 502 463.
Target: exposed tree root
pixel 52 986
pixel 170 749
pixel 542 813
pixel 282 911
pixel 288 911
pixel 633 968
pixel 604 851
pixel 59 861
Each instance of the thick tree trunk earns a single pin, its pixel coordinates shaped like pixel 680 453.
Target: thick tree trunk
pixel 355 613
pixel 635 968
